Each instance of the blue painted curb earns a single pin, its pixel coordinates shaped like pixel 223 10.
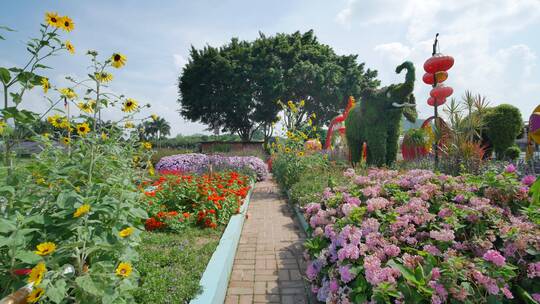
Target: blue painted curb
pixel 215 278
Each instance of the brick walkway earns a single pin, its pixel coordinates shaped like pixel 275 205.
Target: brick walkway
pixel 268 262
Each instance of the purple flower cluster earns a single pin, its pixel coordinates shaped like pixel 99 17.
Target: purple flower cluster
pixel 200 163
pixel 383 223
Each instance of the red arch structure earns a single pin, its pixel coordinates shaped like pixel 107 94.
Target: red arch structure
pixel 338 121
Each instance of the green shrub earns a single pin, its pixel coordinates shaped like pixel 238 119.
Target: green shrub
pixel 312 182
pixel 503 124
pixel 288 167
pixel 512 153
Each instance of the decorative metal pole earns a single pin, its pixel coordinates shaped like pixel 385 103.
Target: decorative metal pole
pixel 436 148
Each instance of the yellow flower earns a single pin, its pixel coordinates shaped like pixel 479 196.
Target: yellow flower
pixel 126 232
pixel 68 93
pixel 123 270
pixel 104 136
pixel 310 122
pixel 302 103
pixel 313 116
pixel 46 135
pixel 118 60
pixel 287 150
pixel 3 125
pixel 35 295
pixel 66 24
pixel 37 273
pixel 150 167
pixel 130 105
pixel 154 117
pixel 52 19
pixel 147 145
pixel 66 140
pixel 45 84
pixel 70 47
pixel 58 121
pixel 129 125
pixel 87 107
pixel 300 154
pixel 40 181
pixel 136 159
pixel 45 248
pixel 103 77
pixel 83 129
pixel 82 210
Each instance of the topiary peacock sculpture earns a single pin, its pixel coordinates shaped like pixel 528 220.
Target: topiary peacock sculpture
pixel 376 117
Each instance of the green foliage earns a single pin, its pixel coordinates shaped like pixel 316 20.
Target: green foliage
pixel 312 182
pixel 214 90
pixel 503 125
pixel 155 129
pixel 375 120
pixel 512 153
pixel 171 265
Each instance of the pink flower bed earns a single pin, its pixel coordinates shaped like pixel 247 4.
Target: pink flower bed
pixel 419 237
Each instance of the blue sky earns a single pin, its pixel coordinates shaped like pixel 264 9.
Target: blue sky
pixel 495 43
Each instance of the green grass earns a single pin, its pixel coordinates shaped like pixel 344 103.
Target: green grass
pixel 171 265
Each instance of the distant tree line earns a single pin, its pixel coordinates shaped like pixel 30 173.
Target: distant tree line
pixel 234 88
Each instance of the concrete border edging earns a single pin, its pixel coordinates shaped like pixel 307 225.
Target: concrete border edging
pixel 301 219
pixel 215 278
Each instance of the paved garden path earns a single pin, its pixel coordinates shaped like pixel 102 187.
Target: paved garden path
pixel 268 264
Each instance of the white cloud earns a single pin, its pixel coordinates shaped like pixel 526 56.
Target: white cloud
pixel 344 16
pixel 395 50
pixel 179 61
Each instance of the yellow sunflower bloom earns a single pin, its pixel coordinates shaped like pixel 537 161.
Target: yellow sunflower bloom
pixel 45 84
pixel 126 232
pixel 150 167
pixel 82 210
pixel 83 129
pixel 154 117
pixel 52 19
pixel 68 93
pixel 118 60
pixel 45 248
pixel 66 24
pixel 300 154
pixel 103 77
pixel 287 150
pixel 66 140
pixel 147 145
pixel 124 270
pixel 3 125
pixel 58 121
pixel 302 103
pixel 130 105
pixel 69 47
pixel 129 125
pixel 46 135
pixel 87 107
pixel 35 295
pixel 37 274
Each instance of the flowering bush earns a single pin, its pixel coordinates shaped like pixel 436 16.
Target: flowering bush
pixel 200 163
pixel 176 200
pixel 416 237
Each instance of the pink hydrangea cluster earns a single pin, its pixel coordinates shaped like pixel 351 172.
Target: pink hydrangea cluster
pixel 385 222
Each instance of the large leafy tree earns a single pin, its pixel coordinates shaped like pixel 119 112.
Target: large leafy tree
pixel 235 87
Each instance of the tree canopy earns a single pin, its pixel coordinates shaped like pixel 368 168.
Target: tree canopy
pixel 503 124
pixel 235 87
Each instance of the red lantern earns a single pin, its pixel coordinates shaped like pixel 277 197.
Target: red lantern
pixel 440 92
pixel 441 77
pixel 431 101
pixel 438 63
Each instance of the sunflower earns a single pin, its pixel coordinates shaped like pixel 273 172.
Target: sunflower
pixel 300 154
pixel 66 140
pixel 130 105
pixel 150 167
pixel 118 60
pixel 35 295
pixel 45 248
pixel 154 117
pixel 68 93
pixel 87 107
pixel 129 125
pixel 37 273
pixel 124 270
pixel 45 84
pixel 125 232
pixel 147 145
pixel 66 24
pixel 3 125
pixel 82 210
pixel 83 129
pixel 52 19
pixel 58 121
pixel 103 77
pixel 69 46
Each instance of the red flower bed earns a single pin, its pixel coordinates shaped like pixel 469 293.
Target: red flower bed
pixel 177 200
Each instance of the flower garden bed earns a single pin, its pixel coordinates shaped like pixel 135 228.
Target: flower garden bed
pixel 417 237
pixel 191 212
